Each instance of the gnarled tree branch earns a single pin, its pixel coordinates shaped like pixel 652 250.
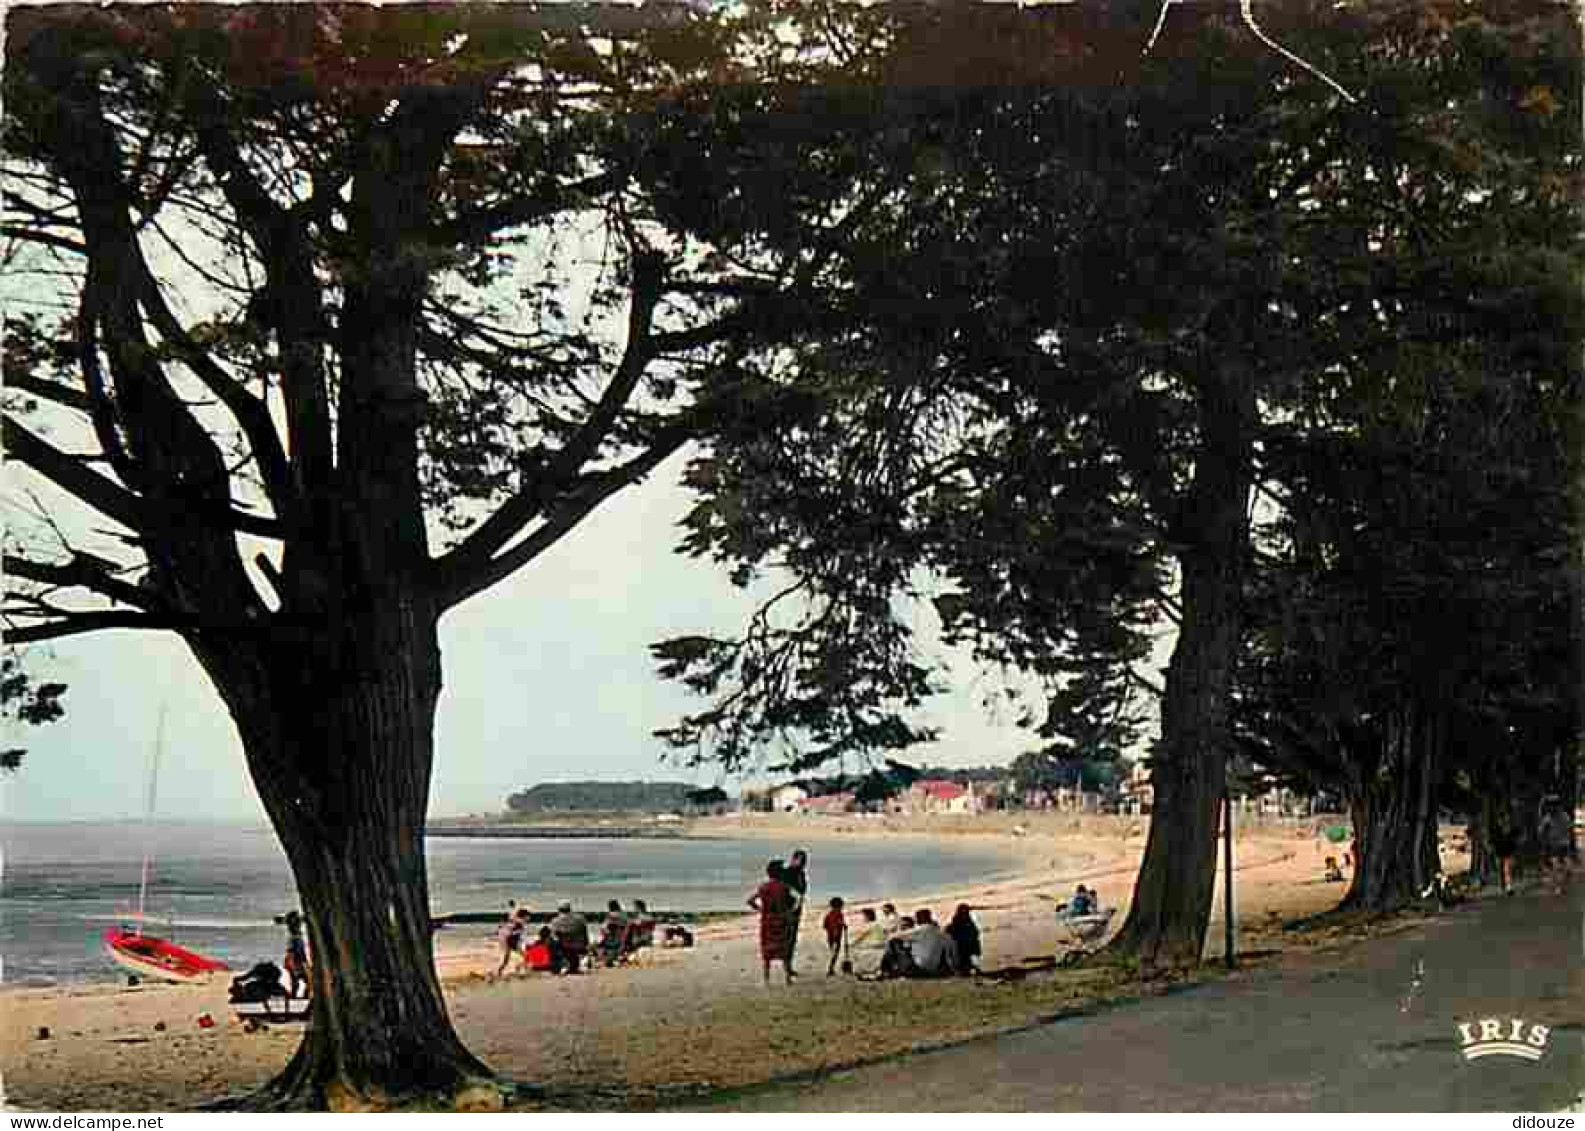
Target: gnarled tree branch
pixel 248 410
pixel 80 623
pixel 458 586
pixel 81 572
pixel 476 552
pixel 104 495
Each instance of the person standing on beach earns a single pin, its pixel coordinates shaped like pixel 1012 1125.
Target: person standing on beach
pixel 1503 844
pixel 774 901
pixel 796 876
pixel 513 934
pixel 836 928
pixel 296 960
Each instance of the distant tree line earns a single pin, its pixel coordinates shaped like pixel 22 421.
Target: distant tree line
pixel 1030 772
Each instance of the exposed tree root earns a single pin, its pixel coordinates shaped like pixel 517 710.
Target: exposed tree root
pixel 474 1094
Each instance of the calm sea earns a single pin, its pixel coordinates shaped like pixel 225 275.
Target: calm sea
pixel 217 888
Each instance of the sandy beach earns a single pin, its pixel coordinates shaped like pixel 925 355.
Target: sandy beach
pixel 682 1021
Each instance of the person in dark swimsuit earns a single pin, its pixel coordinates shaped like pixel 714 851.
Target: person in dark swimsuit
pixel 796 877
pixel 1503 845
pixel 296 960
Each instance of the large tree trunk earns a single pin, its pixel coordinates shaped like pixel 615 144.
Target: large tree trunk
pixel 1484 867
pixel 1171 907
pixel 1393 799
pixel 338 736
pixel 1568 791
pixel 338 723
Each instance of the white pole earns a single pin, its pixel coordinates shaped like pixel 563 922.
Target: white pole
pixel 148 815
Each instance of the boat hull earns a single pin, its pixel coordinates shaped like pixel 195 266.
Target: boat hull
pixel 151 957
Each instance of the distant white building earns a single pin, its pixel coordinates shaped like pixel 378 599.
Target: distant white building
pixel 1139 791
pixel 937 796
pixel 788 798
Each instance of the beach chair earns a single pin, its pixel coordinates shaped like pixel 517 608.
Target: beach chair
pixel 1081 933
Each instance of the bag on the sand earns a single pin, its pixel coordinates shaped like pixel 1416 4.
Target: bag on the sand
pixel 261 983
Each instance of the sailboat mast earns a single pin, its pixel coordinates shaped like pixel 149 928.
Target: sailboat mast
pixel 148 815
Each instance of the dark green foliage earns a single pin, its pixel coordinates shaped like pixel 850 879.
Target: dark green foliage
pixel 1038 771
pixel 25 701
pixel 347 314
pixel 709 797
pixel 1413 625
pixel 882 784
pixel 625 796
pixel 1099 314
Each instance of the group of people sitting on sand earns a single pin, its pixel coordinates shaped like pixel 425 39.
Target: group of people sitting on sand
pixel 915 946
pixel 880 945
pixel 565 945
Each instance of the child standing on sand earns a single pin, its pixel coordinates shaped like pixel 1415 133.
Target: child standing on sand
pixel 513 934
pixel 836 929
pixel 296 960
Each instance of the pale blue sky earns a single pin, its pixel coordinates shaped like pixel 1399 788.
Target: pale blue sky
pixel 547 677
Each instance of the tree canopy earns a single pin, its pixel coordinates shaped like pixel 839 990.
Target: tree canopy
pixel 1099 314
pixel 333 316
pixel 25 702
pixel 337 315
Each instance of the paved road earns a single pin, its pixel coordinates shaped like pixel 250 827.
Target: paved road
pixel 1357 1035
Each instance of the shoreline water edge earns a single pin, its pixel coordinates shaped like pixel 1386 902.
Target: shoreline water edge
pixel 676 1019
pixel 224 890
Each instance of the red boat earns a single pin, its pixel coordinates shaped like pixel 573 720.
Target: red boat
pixel 150 957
